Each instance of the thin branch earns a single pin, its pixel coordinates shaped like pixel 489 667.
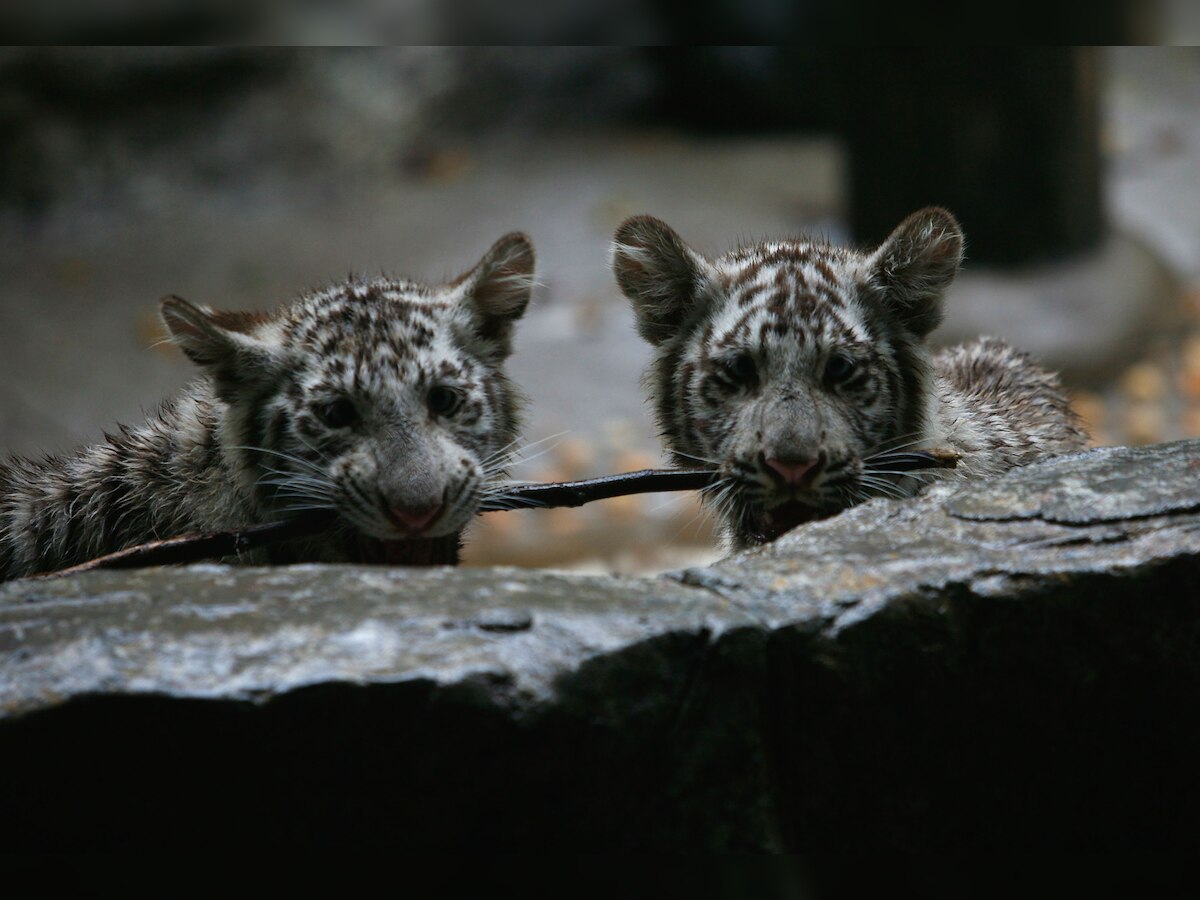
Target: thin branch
pixel 209 545
pixel 577 493
pixel 199 547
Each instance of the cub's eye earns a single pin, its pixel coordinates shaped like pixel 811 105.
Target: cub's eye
pixel 838 368
pixel 337 413
pixel 740 369
pixel 443 401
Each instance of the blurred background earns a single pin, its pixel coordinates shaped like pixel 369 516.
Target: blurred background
pixel 239 177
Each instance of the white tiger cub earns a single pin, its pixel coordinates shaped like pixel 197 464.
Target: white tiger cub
pixel 790 365
pixel 381 399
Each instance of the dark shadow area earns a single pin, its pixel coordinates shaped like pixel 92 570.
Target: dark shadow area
pixel 1068 723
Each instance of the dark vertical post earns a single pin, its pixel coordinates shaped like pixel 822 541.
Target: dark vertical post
pixel 1008 139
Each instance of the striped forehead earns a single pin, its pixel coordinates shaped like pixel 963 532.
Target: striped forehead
pixel 355 317
pixel 812 263
pixel 803 269
pixel 779 295
pixel 360 327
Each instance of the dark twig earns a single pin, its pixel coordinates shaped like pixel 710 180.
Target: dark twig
pixel 577 493
pixel 199 547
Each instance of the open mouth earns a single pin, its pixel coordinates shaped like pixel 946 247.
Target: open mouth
pixel 417 551
pixel 414 546
pixel 769 524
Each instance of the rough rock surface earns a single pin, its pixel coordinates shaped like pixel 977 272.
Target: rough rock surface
pixel 1008 663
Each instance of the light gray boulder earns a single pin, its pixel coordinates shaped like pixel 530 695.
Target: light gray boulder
pixel 1013 662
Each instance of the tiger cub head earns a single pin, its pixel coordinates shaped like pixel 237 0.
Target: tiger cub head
pixel 786 365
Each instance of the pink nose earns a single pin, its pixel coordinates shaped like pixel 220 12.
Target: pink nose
pixel 414 520
pixel 792 471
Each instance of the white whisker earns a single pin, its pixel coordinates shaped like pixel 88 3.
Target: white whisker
pixel 306 464
pixel 508 455
pixel 700 459
pixel 894 445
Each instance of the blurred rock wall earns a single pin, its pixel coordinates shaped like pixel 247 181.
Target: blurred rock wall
pixel 88 123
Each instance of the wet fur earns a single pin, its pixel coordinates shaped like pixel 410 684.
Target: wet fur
pixel 793 307
pixel 246 442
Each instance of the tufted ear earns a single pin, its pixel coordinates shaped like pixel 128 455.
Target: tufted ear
pixel 915 266
pixel 498 289
pixel 209 337
pixel 222 342
pixel 665 279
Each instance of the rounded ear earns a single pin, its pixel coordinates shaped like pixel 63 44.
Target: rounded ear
pixel 664 278
pixel 222 342
pixel 498 289
pixel 916 264
pixel 195 330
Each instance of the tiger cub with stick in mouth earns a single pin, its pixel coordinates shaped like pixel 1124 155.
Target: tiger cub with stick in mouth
pixel 795 368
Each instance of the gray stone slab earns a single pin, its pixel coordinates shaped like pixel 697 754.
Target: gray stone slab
pixel 1004 663
pixel 1120 483
pixel 253 634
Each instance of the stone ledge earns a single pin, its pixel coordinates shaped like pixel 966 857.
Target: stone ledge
pixel 1011 661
